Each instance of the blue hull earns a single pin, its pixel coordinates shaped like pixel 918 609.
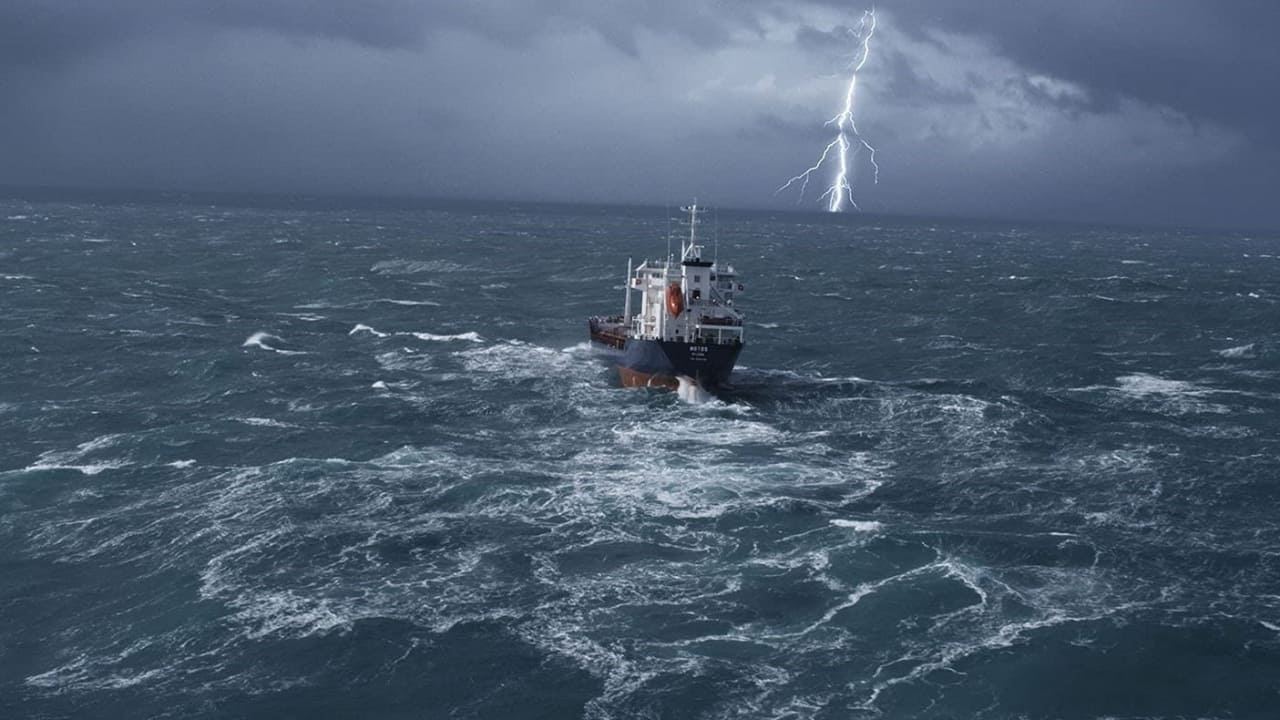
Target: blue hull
pixel 657 363
pixel 662 361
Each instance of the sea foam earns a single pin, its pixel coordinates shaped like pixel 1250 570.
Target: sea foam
pixel 259 340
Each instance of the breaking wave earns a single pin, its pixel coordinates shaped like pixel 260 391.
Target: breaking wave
pixel 261 339
pixel 431 337
pixel 1240 351
pixel 960 477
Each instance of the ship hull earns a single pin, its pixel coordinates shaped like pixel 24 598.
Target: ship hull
pixel 660 363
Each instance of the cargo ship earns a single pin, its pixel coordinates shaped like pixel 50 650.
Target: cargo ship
pixel 687 332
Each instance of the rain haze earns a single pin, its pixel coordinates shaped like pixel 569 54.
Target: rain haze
pixel 1092 111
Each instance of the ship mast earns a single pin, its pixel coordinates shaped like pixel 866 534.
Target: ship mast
pixel 626 289
pixel 693 211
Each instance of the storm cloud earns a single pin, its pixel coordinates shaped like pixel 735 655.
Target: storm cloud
pixel 1089 110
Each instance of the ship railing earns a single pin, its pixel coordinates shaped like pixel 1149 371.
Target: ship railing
pixel 719 334
pixel 719 321
pixel 719 298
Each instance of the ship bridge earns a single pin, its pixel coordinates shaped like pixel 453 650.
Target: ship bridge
pixel 685 300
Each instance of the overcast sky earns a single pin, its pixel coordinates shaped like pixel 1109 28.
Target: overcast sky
pixel 1065 109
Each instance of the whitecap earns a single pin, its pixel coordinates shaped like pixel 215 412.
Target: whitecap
pixel 468 336
pixel 430 337
pixel 85 469
pixel 1142 384
pixel 1175 397
pixel 264 422
pixel 75 459
pixel 365 328
pixel 1240 351
pixel 280 612
pixel 391 301
pixel 691 392
pixel 78 674
pixel 859 525
pixel 259 340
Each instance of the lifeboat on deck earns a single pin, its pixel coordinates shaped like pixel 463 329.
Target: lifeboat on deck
pixel 675 299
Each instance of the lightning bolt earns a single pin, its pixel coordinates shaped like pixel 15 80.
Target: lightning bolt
pixel 846 128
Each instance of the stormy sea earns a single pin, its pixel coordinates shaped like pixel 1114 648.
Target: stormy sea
pixel 291 457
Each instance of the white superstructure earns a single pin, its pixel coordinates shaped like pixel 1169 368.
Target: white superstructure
pixel 686 300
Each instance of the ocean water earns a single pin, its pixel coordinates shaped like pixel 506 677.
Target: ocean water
pixel 304 458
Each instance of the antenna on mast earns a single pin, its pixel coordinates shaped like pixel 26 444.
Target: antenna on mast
pixel 667 208
pixel 693 211
pixel 715 234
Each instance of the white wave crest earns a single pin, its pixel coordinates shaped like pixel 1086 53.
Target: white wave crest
pixel 76 459
pixel 365 328
pixel 691 392
pixel 1174 397
pixel 390 301
pixel 259 340
pixel 1240 351
pixel 264 422
pixel 866 526
pixel 1142 384
pixel 87 674
pixel 283 612
pixel 471 336
pixel 468 336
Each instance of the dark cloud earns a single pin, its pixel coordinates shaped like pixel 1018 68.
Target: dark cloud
pixel 902 79
pixel 1211 60
pixel 1111 109
pixel 44 32
pixel 375 23
pixel 36 33
pixel 839 39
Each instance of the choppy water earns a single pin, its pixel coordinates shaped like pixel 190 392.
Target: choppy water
pixel 313 460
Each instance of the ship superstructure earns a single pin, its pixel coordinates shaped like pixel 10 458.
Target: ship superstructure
pixel 686 324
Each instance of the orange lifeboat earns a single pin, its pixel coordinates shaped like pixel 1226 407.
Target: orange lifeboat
pixel 675 299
